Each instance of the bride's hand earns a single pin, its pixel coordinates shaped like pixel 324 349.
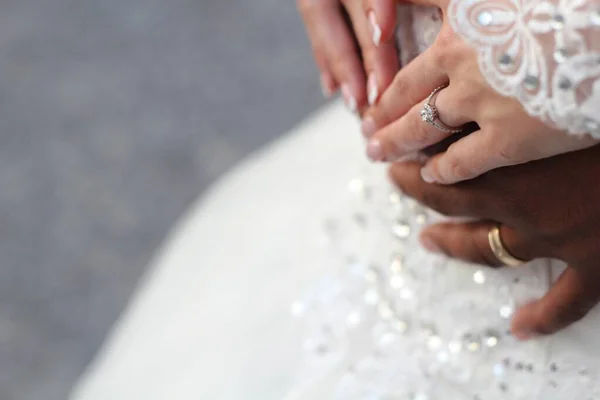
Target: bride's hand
pixel 361 72
pixel 547 209
pixel 507 135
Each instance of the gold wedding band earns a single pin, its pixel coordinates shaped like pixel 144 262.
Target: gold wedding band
pixel 500 251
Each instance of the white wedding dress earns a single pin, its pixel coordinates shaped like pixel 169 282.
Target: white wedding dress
pixel 299 275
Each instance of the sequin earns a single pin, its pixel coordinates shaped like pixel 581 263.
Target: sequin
pixel 564 83
pixel 558 22
pixel 472 342
pixel 531 82
pixel 434 342
pixel 491 339
pixel 506 311
pixel 401 229
pixel 561 55
pixel 421 219
pixel 485 18
pixel 499 370
pixel 479 277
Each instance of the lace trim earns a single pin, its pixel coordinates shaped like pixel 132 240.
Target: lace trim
pixel 544 53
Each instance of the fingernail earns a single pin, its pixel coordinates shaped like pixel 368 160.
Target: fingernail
pixel 427 175
pixel 430 245
pixel 374 150
pixel 375 28
pixel 349 99
pixel 326 88
pixel 525 335
pixel 373 89
pixel 368 127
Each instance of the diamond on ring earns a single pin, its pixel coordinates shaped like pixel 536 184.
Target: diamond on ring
pixel 430 114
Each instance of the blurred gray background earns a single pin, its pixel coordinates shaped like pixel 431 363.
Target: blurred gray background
pixel 115 115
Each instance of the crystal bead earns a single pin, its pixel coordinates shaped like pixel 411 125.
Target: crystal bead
pixel 506 311
pixel 397 264
pixel 595 17
pixel 479 277
pixel 561 55
pixel 472 342
pixel 531 82
pixel 499 370
pixel 421 219
pixel 491 339
pixel 401 229
pixel 564 83
pixel 434 342
pixel 485 18
pixel 558 22
pixel 394 198
pixel 505 61
pixel 357 186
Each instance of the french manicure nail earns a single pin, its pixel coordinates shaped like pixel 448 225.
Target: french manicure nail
pixel 430 245
pixel 326 85
pixel 349 99
pixel 375 28
pixel 525 335
pixel 426 175
pixel 373 89
pixel 374 150
pixel 368 127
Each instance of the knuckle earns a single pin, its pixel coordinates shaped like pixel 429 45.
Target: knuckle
pixel 455 169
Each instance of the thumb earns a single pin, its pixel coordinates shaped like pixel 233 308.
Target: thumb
pixel 571 297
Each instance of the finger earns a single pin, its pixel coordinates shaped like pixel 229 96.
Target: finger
pixel 469 242
pixel 329 85
pixel 382 19
pixel 411 85
pixel 380 61
pixel 410 133
pixel 570 298
pixel 470 157
pixel 331 36
pixel 468 200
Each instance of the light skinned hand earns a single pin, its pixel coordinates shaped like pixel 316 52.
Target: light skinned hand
pixel 507 134
pixel 348 51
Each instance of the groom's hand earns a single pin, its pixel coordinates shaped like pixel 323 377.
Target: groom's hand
pixel 546 209
pixel 348 50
